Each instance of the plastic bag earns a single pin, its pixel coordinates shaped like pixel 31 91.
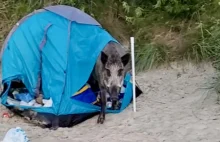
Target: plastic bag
pixel 15 135
pixel 26 97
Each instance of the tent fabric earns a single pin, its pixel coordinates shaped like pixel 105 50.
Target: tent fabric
pixel 69 43
pixel 73 14
pixel 15 27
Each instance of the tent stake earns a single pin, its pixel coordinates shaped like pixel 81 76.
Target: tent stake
pixel 133 73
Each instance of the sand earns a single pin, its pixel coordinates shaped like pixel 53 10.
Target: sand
pixel 178 105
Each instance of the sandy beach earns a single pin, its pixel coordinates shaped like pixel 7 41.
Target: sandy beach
pixel 178 105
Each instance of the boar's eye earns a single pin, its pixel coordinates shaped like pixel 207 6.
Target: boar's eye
pixel 108 72
pixel 120 72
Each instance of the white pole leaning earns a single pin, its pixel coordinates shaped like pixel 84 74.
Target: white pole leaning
pixel 133 73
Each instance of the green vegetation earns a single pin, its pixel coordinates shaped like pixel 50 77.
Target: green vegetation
pixel 164 30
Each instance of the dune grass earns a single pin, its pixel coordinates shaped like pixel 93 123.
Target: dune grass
pixel 164 30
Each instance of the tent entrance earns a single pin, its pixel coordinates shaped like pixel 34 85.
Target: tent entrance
pixel 89 93
pixel 15 93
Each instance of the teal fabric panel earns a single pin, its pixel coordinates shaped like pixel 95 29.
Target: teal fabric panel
pixel 21 54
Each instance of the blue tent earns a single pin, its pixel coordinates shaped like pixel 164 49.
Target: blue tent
pixel 62 44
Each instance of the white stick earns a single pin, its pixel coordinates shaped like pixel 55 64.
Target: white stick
pixel 133 73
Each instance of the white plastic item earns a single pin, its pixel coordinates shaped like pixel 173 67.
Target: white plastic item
pixel 11 101
pixel 108 104
pixel 15 92
pixel 23 103
pixel 31 103
pixel 48 103
pixel 37 105
pixel 16 135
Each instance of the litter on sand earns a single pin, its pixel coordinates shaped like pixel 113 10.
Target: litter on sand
pixel 16 135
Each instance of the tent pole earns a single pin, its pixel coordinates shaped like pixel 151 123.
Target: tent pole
pixel 133 73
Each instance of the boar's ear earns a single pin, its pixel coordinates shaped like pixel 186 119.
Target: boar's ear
pixel 125 59
pixel 104 58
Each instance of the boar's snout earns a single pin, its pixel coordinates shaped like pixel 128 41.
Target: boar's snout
pixel 114 93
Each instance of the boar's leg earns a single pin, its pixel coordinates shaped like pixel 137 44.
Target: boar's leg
pixel 101 117
pixel 55 123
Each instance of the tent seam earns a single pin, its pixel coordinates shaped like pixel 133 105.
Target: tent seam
pixel 65 71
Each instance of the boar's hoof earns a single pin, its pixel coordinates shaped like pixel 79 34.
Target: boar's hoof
pixel 101 119
pixel 54 127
